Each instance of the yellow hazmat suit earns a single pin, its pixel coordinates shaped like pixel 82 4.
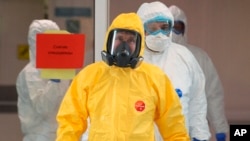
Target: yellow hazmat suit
pixel 122 103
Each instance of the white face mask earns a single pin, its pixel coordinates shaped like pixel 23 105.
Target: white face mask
pixel 158 42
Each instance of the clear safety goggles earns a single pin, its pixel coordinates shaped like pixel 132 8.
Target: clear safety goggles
pixel 123 39
pixel 179 27
pixel 159 24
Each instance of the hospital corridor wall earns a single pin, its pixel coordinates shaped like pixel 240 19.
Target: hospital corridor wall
pixel 15 17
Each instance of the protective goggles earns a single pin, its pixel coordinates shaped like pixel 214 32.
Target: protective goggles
pixel 159 24
pixel 121 40
pixel 179 27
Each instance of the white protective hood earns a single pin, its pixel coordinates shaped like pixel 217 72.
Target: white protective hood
pixel 179 15
pixel 38 26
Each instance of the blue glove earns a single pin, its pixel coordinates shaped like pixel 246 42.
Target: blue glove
pixel 55 80
pixel 220 137
pixel 194 139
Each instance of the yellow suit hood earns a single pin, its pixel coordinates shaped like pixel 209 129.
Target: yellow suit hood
pixel 129 21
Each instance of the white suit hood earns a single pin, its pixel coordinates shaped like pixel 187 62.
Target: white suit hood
pixel 38 26
pixel 148 11
pixel 179 15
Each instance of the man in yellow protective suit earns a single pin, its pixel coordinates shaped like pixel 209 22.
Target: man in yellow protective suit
pixel 121 95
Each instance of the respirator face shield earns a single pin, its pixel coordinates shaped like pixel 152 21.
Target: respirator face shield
pixel 122 41
pixel 123 46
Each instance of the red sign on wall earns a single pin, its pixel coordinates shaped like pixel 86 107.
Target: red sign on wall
pixel 60 51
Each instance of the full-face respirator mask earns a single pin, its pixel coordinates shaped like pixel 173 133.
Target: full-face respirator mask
pixel 123 48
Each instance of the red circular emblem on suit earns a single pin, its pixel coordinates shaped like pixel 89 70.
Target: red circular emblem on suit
pixel 139 106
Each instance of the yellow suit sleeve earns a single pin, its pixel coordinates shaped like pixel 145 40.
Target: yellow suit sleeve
pixel 170 120
pixel 72 115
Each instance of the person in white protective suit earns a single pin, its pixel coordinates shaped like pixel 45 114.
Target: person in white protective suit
pixel 38 98
pixel 214 90
pixel 179 64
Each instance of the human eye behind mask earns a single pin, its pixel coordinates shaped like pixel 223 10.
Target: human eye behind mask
pixel 159 24
pixel 123 47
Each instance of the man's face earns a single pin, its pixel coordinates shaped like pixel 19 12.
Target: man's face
pixel 124 36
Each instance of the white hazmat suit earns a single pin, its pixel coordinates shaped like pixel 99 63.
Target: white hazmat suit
pixel 214 90
pixel 38 99
pixel 183 70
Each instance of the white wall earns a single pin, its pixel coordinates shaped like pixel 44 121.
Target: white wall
pixel 101 25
